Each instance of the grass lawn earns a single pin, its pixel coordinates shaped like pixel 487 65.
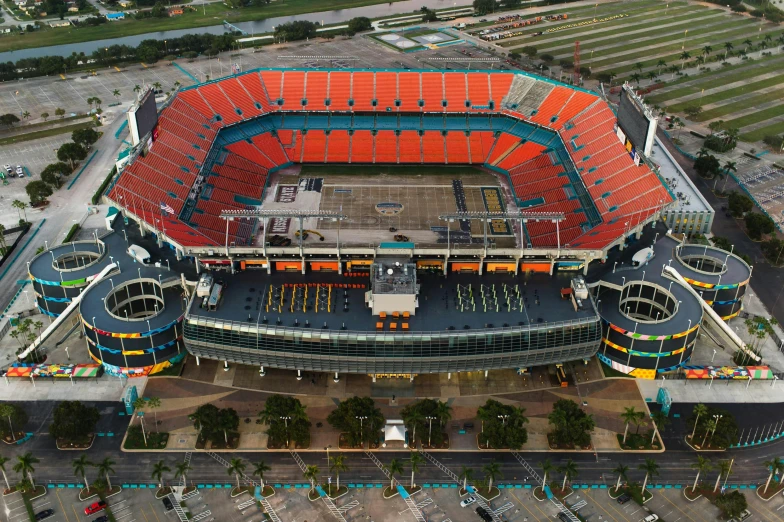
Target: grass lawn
pixel 664 36
pixel 215 13
pixel 745 103
pixel 755 117
pixel 757 135
pixel 765 65
pixel 730 93
pixel 135 440
pixel 393 170
pixel 640 9
pixel 67 129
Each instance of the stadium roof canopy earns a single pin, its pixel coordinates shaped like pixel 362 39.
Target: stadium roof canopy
pixel 216 144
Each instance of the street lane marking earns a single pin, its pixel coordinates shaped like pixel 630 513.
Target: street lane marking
pixel 600 506
pixel 676 507
pixel 57 494
pixel 524 507
pixel 152 509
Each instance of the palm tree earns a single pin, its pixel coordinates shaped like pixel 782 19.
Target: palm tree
pixel 116 93
pixel 443 412
pixel 104 468
pixel 651 469
pixel 635 78
pixel 414 417
pixel 767 38
pixel 493 471
pixel 729 166
pixel 181 470
pixel 3 460
pixel 638 66
pixel 629 415
pixel 177 83
pixel 157 85
pixel 26 114
pixel 707 50
pixel 725 468
pixel 139 404
pixel 660 64
pixel 20 205
pixel 80 468
pixel 7 410
pixel 701 466
pixel 158 469
pixel 337 465
pixel 748 43
pixel 24 465
pixel 699 60
pixel 416 460
pixel 259 469
pixel 547 467
pixel 466 474
pixel 154 403
pixel 700 153
pixel 775 465
pixel 569 469
pixel 727 48
pixel 394 467
pixel 684 56
pixel 621 470
pixel 710 425
pixel 613 75
pixel 136 88
pixel 699 409
pixel 660 421
pixel 651 76
pixel 236 467
pixel 673 69
pixel 310 474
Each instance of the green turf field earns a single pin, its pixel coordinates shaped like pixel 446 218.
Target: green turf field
pixel 650 41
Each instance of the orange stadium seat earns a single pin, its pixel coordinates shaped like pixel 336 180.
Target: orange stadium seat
pixel 433 147
pixel 337 149
pixel 386 147
pixel 409 92
pixel 293 85
pixel 339 90
pixel 316 87
pixel 456 92
pixel 410 147
pixel 363 90
pixel 433 91
pixel 456 147
pixel 386 90
pixel 362 147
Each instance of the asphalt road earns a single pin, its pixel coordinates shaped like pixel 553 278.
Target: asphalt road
pixel 675 463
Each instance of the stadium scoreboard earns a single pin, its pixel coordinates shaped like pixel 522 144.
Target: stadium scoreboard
pixel 142 117
pixel 636 124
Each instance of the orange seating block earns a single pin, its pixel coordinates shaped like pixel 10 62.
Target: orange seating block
pixel 393 326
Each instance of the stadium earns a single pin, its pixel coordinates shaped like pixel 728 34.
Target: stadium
pixel 389 221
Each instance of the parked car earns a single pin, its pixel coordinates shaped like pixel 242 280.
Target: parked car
pixel 95 507
pixel 651 518
pixel 102 518
pixel 43 515
pixel 8 168
pixel 467 502
pixel 19 171
pixel 167 504
pixel 482 512
pixel 623 499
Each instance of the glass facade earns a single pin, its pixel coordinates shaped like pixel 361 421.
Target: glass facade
pixel 385 352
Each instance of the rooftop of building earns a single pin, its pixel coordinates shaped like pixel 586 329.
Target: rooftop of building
pixel 456 302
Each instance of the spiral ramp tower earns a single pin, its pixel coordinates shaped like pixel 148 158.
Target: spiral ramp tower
pixel 652 313
pixel 131 314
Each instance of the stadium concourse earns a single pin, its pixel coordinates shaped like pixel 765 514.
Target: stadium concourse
pixel 553 147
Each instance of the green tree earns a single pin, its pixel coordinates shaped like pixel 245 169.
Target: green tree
pixel 158 470
pixel 80 466
pixel 105 468
pixel 492 472
pixel 702 465
pixel 45 115
pixel 153 403
pixel 3 461
pixel 359 24
pixel 547 467
pixel 359 418
pixel 26 114
pixel 707 166
pixel 725 469
pixel 420 415
pixel 287 419
pixel 73 421
pixel 311 474
pixel 9 119
pixel 775 466
pixel 59 112
pixel 503 425
pixel 660 422
pixel 621 470
pixel 259 469
pixel 571 425
pixel 71 152
pixel 635 78
pixel 727 48
pixel 738 204
pixel 692 111
pixel 629 416
pixel 20 205
pixel 395 467
pixel 529 50
pixel 482 7
pixel 25 465
pixel 38 191
pixel 416 460
pixel 14 415
pixel 758 224
pixel 138 405
pixel 660 64
pixel 731 504
pixel 236 468
pixel 569 470
pixel 116 93
pixel 466 474
pixel 547 58
pixel 651 469
pixel 85 137
pixel 337 466
pixel 181 471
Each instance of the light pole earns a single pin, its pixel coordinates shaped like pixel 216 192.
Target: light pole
pixel 286 423
pixel 361 431
pixel 430 429
pixel 714 355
